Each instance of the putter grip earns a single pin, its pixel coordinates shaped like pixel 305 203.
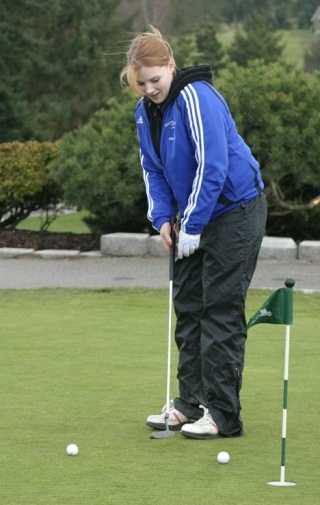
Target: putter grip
pixel 172 250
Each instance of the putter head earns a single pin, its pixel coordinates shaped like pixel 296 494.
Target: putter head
pixel 162 434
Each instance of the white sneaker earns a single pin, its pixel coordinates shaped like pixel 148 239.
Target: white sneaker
pixel 203 429
pixel 175 420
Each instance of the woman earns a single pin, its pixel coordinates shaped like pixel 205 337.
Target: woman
pixel 195 163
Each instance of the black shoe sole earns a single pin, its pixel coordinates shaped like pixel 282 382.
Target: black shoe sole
pixel 162 427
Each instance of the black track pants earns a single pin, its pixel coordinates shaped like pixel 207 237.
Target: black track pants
pixel 209 292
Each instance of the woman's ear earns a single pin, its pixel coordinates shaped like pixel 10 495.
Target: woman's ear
pixel 172 65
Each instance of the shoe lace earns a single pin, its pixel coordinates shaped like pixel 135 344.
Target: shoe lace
pixel 171 406
pixel 206 418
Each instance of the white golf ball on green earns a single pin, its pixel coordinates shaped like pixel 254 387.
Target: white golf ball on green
pixel 223 457
pixel 72 450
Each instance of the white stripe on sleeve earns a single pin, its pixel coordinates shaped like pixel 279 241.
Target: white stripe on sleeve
pixel 146 181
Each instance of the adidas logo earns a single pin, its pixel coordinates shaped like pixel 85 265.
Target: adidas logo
pixel 140 120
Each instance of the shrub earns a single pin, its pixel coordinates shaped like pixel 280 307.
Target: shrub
pixel 25 184
pixel 99 170
pixel 277 112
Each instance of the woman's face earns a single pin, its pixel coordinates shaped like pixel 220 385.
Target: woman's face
pixel 155 82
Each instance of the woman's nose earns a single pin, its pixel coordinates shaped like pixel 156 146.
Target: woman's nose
pixel 149 88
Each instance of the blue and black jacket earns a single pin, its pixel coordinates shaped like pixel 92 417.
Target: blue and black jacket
pixel 191 154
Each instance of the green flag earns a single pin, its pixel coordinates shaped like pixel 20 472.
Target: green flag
pixel 277 309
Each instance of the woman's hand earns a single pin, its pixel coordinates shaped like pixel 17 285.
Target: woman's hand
pixel 165 234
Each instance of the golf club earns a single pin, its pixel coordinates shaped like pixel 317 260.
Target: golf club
pixel 167 433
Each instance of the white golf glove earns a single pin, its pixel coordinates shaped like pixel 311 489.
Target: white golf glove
pixel 187 244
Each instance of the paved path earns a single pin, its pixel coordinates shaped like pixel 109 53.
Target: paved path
pixel 102 272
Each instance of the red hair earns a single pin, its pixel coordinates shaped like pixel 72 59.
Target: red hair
pixel 146 50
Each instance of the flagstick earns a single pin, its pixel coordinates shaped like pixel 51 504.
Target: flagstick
pixel 289 284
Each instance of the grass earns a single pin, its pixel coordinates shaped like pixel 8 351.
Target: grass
pixel 64 223
pixel 88 366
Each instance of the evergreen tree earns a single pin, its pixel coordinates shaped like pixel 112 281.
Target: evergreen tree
pixel 303 10
pixel 185 50
pixel 235 11
pixel 257 40
pixel 201 46
pixel 19 52
pixel 56 64
pixel 210 47
pixel 186 16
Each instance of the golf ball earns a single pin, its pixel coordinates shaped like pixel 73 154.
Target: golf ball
pixel 223 457
pixel 72 450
